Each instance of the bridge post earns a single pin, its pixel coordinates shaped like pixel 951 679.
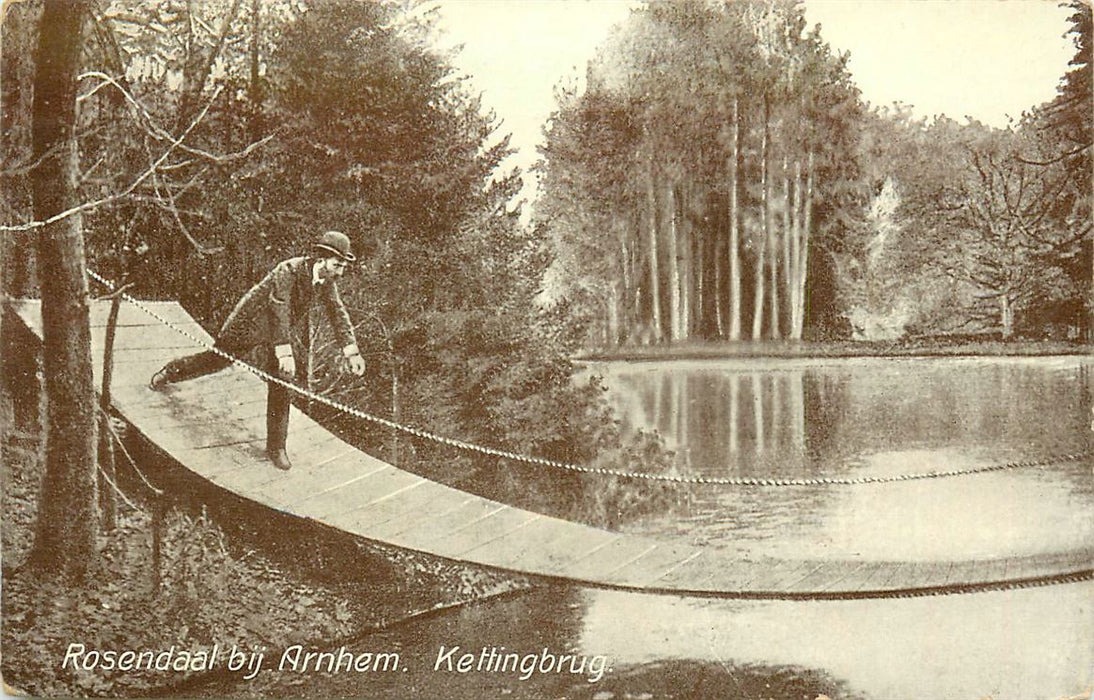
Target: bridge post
pixel 158 507
pixel 108 500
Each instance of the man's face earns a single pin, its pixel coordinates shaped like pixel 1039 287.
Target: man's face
pixel 333 268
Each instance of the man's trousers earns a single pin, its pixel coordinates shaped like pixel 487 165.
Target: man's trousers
pixel 278 398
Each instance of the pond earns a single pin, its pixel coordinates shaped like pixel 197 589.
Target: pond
pixel 850 418
pixel 790 419
pixel 1027 644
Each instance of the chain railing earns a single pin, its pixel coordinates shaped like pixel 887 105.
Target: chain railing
pixel 598 471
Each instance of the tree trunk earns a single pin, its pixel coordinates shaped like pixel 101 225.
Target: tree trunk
pixel 716 288
pixel 673 249
pixel 806 235
pixel 656 327
pixel 698 260
pixel 67 516
pixel 254 88
pixel 758 310
pixel 765 228
pixel 16 248
pixel 1006 308
pixel 626 284
pixel 795 273
pixel 734 230
pixel 787 233
pixel 612 336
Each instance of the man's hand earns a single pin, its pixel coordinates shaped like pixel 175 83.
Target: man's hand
pixel 285 362
pixel 356 364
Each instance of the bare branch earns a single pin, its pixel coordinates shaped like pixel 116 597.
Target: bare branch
pixel 114 197
pixel 1056 159
pixel 201 248
pixel 161 134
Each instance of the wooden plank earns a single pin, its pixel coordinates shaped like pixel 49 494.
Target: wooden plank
pixel 215 464
pixel 613 555
pixel 210 388
pixel 709 572
pixel 125 352
pixel 992 571
pixel 924 574
pixel 442 502
pixel 700 564
pixel 310 442
pixel 304 482
pixel 283 487
pixel 963 573
pixel 362 519
pixel 160 411
pixel 652 565
pixel 167 431
pixel 485 531
pixel 424 533
pixel 777 573
pixel 130 315
pixel 1051 563
pixel 153 336
pixel 545 546
pixel 817 571
pixel 348 496
pixel 841 579
pixel 29 312
pixel 943 572
pixel 885 578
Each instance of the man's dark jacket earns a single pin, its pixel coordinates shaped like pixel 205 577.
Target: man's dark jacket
pixel 275 311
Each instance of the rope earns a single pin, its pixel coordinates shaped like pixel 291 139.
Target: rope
pixel 117 489
pixel 599 471
pixel 128 457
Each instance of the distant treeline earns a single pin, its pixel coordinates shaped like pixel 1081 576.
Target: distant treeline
pixel 720 177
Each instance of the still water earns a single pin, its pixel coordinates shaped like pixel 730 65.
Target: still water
pixel 850 418
pixel 841 418
pixel 1033 644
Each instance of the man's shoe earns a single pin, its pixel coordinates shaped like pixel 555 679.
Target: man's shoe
pixel 279 459
pixel 159 380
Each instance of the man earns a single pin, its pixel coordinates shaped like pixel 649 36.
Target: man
pixel 270 317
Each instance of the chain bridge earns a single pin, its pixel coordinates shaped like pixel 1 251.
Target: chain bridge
pixel 214 427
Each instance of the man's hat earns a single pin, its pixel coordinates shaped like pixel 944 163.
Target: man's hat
pixel 336 243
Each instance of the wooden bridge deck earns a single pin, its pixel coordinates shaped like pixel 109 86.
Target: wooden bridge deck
pixel 215 426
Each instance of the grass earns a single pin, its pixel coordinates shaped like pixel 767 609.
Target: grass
pixel 923 346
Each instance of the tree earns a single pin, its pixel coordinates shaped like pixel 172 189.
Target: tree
pixel 67 516
pixel 740 137
pixel 1067 123
pixel 988 219
pixel 20 22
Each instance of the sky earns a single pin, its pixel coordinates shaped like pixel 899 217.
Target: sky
pixel 990 59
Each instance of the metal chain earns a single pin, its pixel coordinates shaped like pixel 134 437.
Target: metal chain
pixel 599 471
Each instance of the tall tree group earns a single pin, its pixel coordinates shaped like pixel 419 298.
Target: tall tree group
pixel 687 186
pixel 720 178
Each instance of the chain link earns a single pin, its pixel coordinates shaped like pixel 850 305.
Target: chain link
pixel 599 471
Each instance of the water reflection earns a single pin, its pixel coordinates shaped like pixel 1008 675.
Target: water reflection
pixel 1006 645
pixel 872 417
pixel 1036 643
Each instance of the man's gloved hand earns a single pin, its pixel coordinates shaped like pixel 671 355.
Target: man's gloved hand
pixel 353 359
pixel 285 362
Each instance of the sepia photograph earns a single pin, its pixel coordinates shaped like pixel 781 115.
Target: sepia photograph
pixel 547 349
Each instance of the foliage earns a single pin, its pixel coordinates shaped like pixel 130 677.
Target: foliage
pixel 699 119
pixel 213 590
pixel 1065 128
